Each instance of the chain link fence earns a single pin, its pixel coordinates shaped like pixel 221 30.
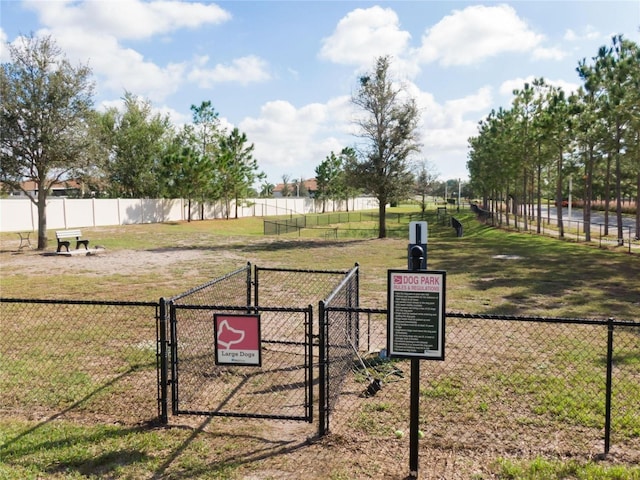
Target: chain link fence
pixel 282 386
pixel 507 384
pixel 78 360
pixel 324 225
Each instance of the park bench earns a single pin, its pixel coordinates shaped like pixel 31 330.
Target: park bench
pixel 61 235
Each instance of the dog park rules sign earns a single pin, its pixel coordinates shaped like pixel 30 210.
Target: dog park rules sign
pixel 416 321
pixel 237 339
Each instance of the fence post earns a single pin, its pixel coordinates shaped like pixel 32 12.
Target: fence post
pixel 322 371
pixel 161 351
pixel 607 420
pixel 309 362
pixel 249 287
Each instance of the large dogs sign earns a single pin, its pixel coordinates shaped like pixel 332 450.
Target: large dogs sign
pixel 237 339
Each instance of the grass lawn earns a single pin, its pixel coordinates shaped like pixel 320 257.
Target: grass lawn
pixel 488 272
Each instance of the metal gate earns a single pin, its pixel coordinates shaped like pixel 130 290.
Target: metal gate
pixel 280 388
pixel 282 385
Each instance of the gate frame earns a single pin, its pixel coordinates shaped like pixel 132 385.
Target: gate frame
pixel 308 364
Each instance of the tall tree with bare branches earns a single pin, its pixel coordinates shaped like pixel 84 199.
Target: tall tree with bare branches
pixel 388 124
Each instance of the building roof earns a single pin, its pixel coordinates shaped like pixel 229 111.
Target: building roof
pixel 311 185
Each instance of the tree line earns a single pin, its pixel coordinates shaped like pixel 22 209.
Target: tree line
pixel 51 132
pixel 529 153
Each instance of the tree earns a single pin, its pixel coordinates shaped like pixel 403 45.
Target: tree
pixel 286 186
pixel 236 169
pixel 137 139
pixel 45 106
pixel 327 177
pixel 184 173
pixel 389 127
pixel 207 129
pixel 619 66
pixel 266 189
pixel 425 177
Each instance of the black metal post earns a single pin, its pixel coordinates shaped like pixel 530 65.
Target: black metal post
pixel 415 417
pixel 322 371
pixel 162 363
pixel 256 288
pixel 173 329
pixel 309 362
pixel 607 419
pixel 416 261
pixel 249 287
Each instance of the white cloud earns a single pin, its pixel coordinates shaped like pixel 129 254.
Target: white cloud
pixel 119 68
pixel 553 53
pixel 471 35
pixel 588 33
pixel 296 140
pixel 507 87
pixel 364 34
pixel 127 19
pixel 447 130
pixel 242 70
pixel 4 51
pixel 92 31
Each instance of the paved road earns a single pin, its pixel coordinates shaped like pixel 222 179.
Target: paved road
pixel 597 218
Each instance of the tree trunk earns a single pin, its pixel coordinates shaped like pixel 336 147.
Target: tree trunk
pixel 588 189
pixel 42 216
pixel 525 198
pixel 559 197
pixel 619 185
pixel 638 206
pixel 539 200
pixel 382 221
pixel 607 195
pixel 638 187
pixel 619 201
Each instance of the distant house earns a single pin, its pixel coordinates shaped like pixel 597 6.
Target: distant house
pixel 67 188
pixel 310 186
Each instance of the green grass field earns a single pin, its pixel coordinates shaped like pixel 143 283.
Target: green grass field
pixel 488 271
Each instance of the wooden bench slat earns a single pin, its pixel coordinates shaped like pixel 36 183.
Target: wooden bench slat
pixel 68 233
pixel 60 234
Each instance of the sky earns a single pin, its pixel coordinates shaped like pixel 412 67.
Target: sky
pixel 284 72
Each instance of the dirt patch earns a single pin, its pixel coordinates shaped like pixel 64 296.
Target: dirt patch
pixel 103 262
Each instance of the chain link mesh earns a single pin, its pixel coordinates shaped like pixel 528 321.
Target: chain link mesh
pixel 294 288
pixel 232 289
pixel 506 385
pixel 278 388
pixel 78 358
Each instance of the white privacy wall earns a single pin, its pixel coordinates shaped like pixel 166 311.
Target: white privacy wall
pixel 21 215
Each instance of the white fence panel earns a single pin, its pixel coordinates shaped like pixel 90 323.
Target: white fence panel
pixel 81 215
pixel 105 212
pixel 20 215
pixel 130 211
pixel 172 210
pixel 56 218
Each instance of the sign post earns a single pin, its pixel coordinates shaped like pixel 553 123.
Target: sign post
pixel 416 322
